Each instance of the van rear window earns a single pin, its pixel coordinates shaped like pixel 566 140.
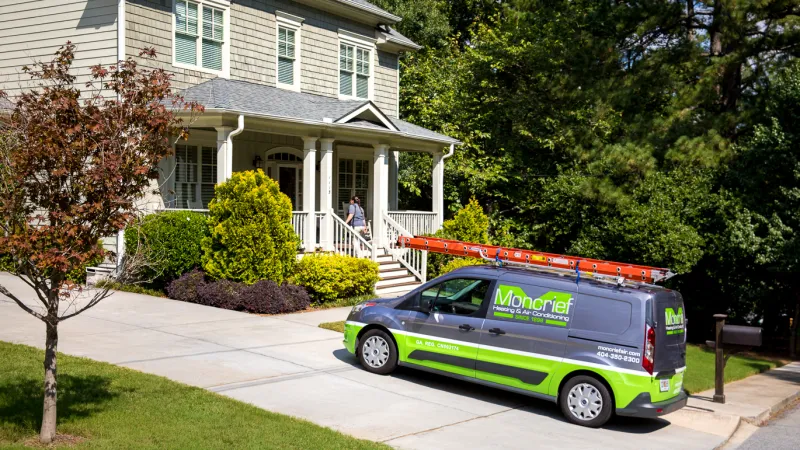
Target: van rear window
pixel 601 315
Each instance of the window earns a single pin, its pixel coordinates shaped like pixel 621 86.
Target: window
pixel 354 70
pixel 353 180
pixel 288 52
pixel 195 176
pixel 285 56
pixel 204 50
pixel 462 296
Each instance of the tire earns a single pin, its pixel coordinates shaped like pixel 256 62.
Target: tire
pixel 377 352
pixel 585 401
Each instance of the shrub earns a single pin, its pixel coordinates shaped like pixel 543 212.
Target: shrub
pixel 251 234
pixel 458 263
pixel 470 224
pixel 187 286
pixel 266 297
pixel 168 243
pixel 223 294
pixel 331 277
pixel 263 297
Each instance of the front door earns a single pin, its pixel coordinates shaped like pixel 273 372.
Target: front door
pixel 447 338
pixel 290 180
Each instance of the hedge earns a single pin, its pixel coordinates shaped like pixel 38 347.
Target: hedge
pixel 331 277
pixel 169 242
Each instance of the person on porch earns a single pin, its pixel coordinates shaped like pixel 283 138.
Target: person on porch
pixel 355 218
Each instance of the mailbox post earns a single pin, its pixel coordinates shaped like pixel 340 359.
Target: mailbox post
pixel 735 338
pixel 719 375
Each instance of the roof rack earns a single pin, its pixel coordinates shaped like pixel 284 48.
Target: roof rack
pixel 596 269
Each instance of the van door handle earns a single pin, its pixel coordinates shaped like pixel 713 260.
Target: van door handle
pixel 497 331
pixel 466 327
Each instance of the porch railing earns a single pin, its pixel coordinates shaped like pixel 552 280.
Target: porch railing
pixel 346 241
pixel 299 224
pixel 416 222
pixel 416 261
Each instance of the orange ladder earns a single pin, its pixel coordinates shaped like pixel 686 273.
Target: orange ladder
pixel 594 268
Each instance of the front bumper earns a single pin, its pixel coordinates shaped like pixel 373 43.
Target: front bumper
pixel 642 407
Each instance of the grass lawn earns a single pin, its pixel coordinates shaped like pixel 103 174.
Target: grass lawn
pixel 700 368
pixel 113 407
pixel 335 326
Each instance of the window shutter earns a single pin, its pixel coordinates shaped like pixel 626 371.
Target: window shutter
pixel 362 86
pixel 185 49
pixel 345 83
pixel 285 70
pixel 186 30
pixel 212 54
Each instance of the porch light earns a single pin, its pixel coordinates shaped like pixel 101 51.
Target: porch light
pixel 258 163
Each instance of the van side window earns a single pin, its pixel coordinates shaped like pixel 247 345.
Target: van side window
pixel 462 296
pixel 601 315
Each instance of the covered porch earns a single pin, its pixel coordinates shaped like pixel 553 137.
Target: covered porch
pixel 339 150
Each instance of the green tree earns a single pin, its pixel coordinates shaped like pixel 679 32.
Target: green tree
pixel 251 235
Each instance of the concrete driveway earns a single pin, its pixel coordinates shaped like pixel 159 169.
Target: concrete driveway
pixel 289 365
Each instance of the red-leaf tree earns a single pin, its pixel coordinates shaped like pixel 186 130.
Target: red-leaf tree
pixel 73 165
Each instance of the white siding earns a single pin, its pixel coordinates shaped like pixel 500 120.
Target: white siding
pixel 33 30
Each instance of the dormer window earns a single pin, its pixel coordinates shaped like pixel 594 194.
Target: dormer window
pixel 200 36
pixel 288 51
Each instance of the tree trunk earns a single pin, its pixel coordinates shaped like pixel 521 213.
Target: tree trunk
pixel 48 432
pixel 689 19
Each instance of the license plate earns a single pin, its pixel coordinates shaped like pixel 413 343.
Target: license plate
pixel 664 385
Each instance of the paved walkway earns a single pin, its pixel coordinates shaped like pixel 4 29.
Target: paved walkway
pixel 289 365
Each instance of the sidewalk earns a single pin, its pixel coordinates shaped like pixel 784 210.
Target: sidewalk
pixel 749 403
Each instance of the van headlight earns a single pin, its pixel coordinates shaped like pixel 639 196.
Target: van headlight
pixel 362 305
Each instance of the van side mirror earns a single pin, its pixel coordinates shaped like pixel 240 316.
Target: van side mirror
pixel 424 305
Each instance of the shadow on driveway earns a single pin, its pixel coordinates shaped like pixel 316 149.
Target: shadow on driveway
pixel 631 425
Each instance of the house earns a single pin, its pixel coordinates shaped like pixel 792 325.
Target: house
pixel 306 90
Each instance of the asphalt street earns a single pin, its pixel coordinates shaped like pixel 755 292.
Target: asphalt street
pixel 783 432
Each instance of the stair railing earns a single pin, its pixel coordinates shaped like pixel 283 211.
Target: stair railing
pixel 347 241
pixel 416 261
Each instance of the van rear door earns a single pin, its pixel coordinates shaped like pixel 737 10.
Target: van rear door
pixel 669 319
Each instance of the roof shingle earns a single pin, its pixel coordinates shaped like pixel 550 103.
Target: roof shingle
pixel 245 97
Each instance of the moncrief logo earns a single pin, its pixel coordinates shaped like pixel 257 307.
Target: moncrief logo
pixel 551 308
pixel 674 320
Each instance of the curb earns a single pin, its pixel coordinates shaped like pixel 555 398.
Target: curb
pixel 766 415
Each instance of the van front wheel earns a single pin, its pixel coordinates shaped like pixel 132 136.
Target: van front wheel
pixel 377 352
pixel 585 401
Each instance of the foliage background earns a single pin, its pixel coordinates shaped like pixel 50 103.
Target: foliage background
pixel 654 132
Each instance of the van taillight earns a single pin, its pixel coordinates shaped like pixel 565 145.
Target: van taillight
pixel 649 348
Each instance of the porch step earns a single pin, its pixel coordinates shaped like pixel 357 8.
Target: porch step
pixel 394 281
pixel 397 289
pixel 388 265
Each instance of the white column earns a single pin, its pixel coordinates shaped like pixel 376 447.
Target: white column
pixel 438 189
pixel 309 197
pixel 394 165
pixel 380 197
pixel 326 193
pixel 224 154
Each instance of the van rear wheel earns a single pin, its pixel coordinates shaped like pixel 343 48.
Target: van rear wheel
pixel 585 401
